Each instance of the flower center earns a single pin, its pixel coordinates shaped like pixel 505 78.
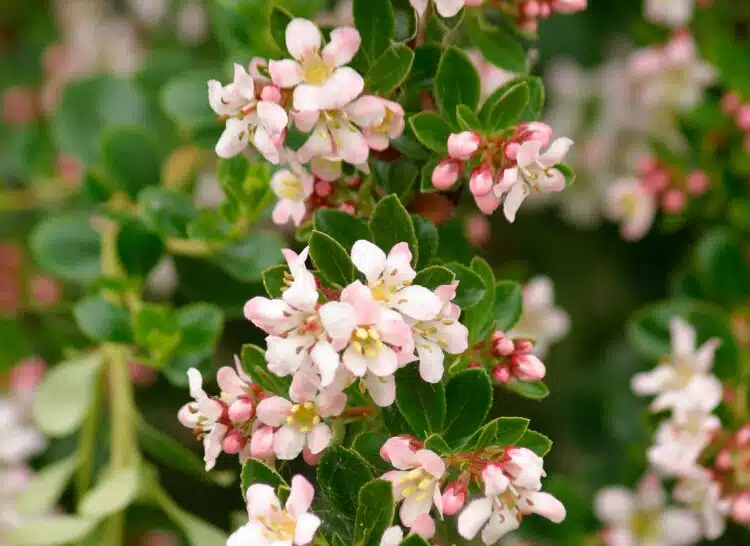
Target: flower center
pixel 279 525
pixel 385 124
pixel 290 188
pixel 315 70
pixel 366 341
pixel 417 482
pixel 303 416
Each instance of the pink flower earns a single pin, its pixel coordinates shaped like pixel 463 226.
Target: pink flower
pixel 319 77
pixel 741 508
pixel 463 146
pixel 270 525
pixel 446 8
pixel 248 118
pixel 628 201
pixel 673 200
pixel 379 135
pixel 292 186
pixel 416 482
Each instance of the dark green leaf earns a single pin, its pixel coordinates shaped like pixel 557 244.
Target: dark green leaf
pixel 508 304
pixel 68 247
pixel 467 119
pixel 368 445
pixel 331 260
pixel 431 130
pixel 536 442
pixel 247 259
pixel 390 69
pixel 721 267
pixel 498 45
pixel 405 18
pixel 424 68
pixel 166 212
pixel 102 320
pixel 471 289
pixel 436 443
pixel 427 240
pixel 433 276
pixel 508 108
pixel 254 364
pixel 398 177
pixel 376 25
pixel 139 248
pixel 409 146
pixel 341 474
pixel 510 430
pixel 342 227
pixel 132 159
pixel 422 404
pixel 273 280
pixel 183 98
pixel 456 82
pixel 468 398
pixel 200 325
pixel 256 471
pixel 391 224
pixel 535 390
pixel 375 510
pixel 480 318
pixel 414 540
pixel 280 18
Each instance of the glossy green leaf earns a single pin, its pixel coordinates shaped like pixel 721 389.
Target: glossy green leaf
pixel 391 224
pixel 471 289
pixel 254 363
pixel 497 45
pixel 480 318
pixel 433 276
pixel 368 445
pixel 436 443
pixel 534 390
pixel 375 511
pixel 467 119
pixel 256 471
pixel 431 130
pixel 510 430
pixel 508 109
pixel 536 442
pixel 399 177
pixel 344 228
pixel 376 25
pixel 427 239
pixel 508 304
pixel 331 260
pixel 422 404
pixel 274 280
pixel 456 82
pixel 468 398
pixel 390 69
pixel 67 246
pixel 341 474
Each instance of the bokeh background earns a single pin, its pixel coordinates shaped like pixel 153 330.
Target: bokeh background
pixel 59 99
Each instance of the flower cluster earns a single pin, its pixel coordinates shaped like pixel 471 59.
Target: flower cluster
pixel 683 385
pixel 504 169
pixel 732 105
pixel 317 94
pixel 530 11
pixel 509 481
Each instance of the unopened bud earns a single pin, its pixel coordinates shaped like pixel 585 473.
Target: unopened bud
pixel 673 200
pixel 697 182
pixel 241 410
pixel 463 146
pixel 271 93
pixel 233 442
pixel 454 498
pixel 446 174
pixel 480 182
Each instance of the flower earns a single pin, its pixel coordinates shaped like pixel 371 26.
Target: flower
pixel 379 135
pixel 390 277
pixel 439 335
pixel 673 13
pixel 703 495
pixel 270 525
pixel 423 526
pixel 534 172
pixel 642 519
pixel 629 202
pixel 679 442
pixel 446 8
pixel 292 186
pixel 206 416
pixel 319 77
pixel 248 117
pixel 541 321
pixel 683 380
pixel 416 482
pixel 301 420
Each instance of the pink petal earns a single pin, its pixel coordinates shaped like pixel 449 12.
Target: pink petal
pixel 300 497
pixel 339 318
pixel 547 506
pixel 431 462
pixel 416 302
pixel 261 499
pixel 243 82
pixel 344 85
pixel 288 443
pixel 431 359
pixel 351 145
pixel 266 145
pixel 229 381
pixel 319 144
pixel 528 153
pixel 307 525
pixel 285 73
pixel 473 518
pixel 319 438
pixel 327 360
pixel 273 411
pixel 366 111
pixel 360 297
pixel 302 37
pixel 384 363
pixel 513 200
pixel 272 116
pixel 381 389
pixel 556 152
pixel 424 526
pixel 368 259
pixel 311 98
pixel 343 46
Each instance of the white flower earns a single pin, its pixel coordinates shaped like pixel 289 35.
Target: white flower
pixel 301 421
pixel 390 277
pixel 292 186
pixel 206 417
pixel 641 519
pixel 270 525
pixel 703 495
pixel 673 13
pixel 442 334
pixel 541 321
pixel 319 77
pixel 446 8
pixel 629 202
pixel 679 442
pixel 249 118
pixel 683 381
pixel 534 172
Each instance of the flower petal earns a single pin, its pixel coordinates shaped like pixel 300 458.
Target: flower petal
pixel 288 442
pixel 285 73
pixel 307 525
pixel 302 37
pixel 319 438
pixel 300 496
pixel 343 46
pixel 368 259
pixel 513 200
pixel 473 518
pixel 273 411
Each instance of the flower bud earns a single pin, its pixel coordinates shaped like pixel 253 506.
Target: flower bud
pixel 27 374
pixel 743 117
pixel 478 230
pixel 730 103
pixel 261 443
pixel 523 346
pixel 446 174
pixel 454 498
pixel 537 131
pixel 697 182
pixel 501 374
pixel 233 442
pixel 742 437
pixel 673 200
pixel 241 410
pixel 463 146
pixel 45 291
pixel 741 508
pixel 310 458
pixel 480 182
pixel 143 376
pixel 502 345
pixel 657 180
pixel 723 460
pixel 528 367
pixel 271 93
pixel 487 203
pixel 511 150
pixel 323 189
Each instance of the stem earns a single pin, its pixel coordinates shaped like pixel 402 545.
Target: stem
pixel 187 247
pixel 86 442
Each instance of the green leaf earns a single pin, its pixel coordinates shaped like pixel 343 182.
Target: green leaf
pixel 467 119
pixel 456 82
pixel 200 325
pixel 424 68
pixel 431 130
pixel 648 332
pixel 51 531
pixel 375 511
pixel 421 404
pixel 414 540
pixel 536 99
pixel 376 25
pixel 112 494
pixel 391 224
pixel 278 22
pixel 13 340
pixel 398 177
pixel 497 45
pixel 427 239
pixel 368 445
pixel 67 246
pixel 433 276
pixel 166 212
pixel 436 443
pixel 138 248
pixel 254 364
pixel 468 398
pixel 507 109
pixel 46 487
pixel 405 18
pixel 344 228
pixel 536 442
pixel 471 289
pixel 390 69
pixel 425 183
pixel 65 395
pixel 510 430
pixel 256 471
pixel 409 146
pixel 534 390
pixel 341 474
pixel 479 319
pixel 132 159
pixel 247 260
pixel 508 304
pixel 567 172
pixel 183 99
pixel 102 320
pixel 273 280
pixel 247 188
pixel 155 327
pixel 331 260
pixel 721 267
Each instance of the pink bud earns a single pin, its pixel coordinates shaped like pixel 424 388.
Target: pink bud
pixel 487 203
pixel 18 106
pixel 241 410
pixel 523 346
pixel 463 146
pixel 673 200
pixel 480 182
pixel 742 436
pixel 545 11
pixel 502 345
pixel 143 376
pixel 697 182
pixel 531 8
pixel 724 460
pixel 271 93
pixel 396 447
pixel 478 230
pixel 446 174
pixel 646 165
pixel 27 374
pixel 261 443
pixel 233 442
pixel 10 256
pixel 423 526
pixel 323 189
pixel 730 103
pixel 741 508
pixel 511 150
pixel 657 180
pixel 309 458
pixel 454 498
pixel 45 291
pixel 528 367
pixel 501 374
pixel 537 131
pixel 347 208
pixel 743 117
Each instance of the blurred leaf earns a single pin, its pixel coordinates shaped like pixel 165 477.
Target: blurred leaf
pixel 247 259
pixel 46 487
pixel 132 159
pixel 67 246
pixel 456 82
pixel 468 399
pixel 166 212
pixel 51 531
pixel 155 328
pixel 422 404
pixel 721 267
pixel 280 19
pixel 200 326
pixel 183 98
pixel 13 341
pixel 113 493
pixel 102 320
pixel 508 304
pixel 138 248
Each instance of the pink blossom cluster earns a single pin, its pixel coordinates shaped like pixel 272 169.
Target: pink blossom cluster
pixel 509 481
pixel 684 386
pixel 530 11
pixel 515 360
pixel 732 106
pixel 504 169
pixel 319 95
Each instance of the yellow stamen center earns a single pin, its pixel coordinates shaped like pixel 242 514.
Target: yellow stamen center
pixel 366 341
pixel 303 416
